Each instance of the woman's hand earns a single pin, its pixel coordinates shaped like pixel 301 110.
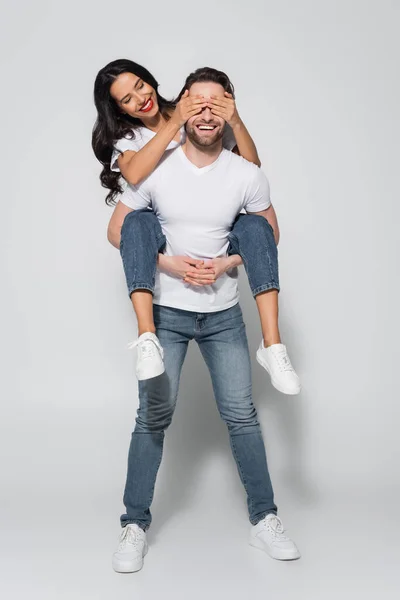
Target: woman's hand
pixel 178 266
pixel 211 270
pixel 187 107
pixel 225 108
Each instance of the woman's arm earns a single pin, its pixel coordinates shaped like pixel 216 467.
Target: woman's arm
pixel 136 166
pixel 244 144
pixel 225 107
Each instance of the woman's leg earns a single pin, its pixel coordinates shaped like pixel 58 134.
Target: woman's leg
pixel 141 241
pixel 253 238
pixel 267 304
pixel 142 301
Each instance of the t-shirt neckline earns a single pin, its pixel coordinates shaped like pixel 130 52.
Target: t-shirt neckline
pixel 199 170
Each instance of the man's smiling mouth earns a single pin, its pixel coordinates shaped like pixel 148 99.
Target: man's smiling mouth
pixel 206 127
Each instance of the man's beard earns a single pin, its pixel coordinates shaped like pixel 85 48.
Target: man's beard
pixel 204 141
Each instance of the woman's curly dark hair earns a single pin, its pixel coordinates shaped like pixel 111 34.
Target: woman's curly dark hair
pixel 111 124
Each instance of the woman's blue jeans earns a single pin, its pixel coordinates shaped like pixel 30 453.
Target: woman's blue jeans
pixel 252 237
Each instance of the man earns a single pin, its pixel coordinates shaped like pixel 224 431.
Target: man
pixel 197 192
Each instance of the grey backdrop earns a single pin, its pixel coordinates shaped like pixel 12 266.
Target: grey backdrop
pixel 317 87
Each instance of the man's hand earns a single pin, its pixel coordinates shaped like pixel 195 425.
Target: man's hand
pixel 178 266
pixel 187 107
pixel 212 270
pixel 225 108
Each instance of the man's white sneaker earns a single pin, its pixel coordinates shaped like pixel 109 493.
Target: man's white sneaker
pixel 269 535
pixel 150 356
pixel 132 548
pixel 276 361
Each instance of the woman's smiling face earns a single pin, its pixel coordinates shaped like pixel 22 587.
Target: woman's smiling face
pixel 134 96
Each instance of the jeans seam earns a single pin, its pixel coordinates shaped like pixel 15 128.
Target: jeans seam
pixel 250 500
pixel 269 512
pixel 243 255
pixel 135 522
pixel 140 286
pixel 154 482
pixel 263 288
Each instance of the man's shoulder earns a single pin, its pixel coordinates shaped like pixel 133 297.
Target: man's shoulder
pixel 242 167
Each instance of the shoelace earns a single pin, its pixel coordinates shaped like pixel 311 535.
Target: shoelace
pixel 275 527
pixel 283 360
pixel 128 536
pixel 147 347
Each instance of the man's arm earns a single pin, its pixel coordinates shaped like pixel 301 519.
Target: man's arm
pixel 272 219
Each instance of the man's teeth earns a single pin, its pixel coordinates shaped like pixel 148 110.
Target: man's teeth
pixel 207 127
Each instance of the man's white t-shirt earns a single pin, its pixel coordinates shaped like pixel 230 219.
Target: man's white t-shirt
pixel 196 208
pixel 143 135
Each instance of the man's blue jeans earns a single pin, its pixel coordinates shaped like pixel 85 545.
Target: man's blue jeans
pixel 222 341
pixel 251 236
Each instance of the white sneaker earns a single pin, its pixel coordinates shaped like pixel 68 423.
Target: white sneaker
pixel 150 356
pixel 276 361
pixel 131 550
pixel 269 535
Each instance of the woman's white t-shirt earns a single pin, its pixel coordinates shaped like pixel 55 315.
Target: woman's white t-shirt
pixel 143 135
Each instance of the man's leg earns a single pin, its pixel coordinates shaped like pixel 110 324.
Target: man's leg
pixel 223 343
pixel 157 403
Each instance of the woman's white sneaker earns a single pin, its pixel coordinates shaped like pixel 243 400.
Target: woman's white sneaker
pixel 269 535
pixel 132 548
pixel 150 356
pixel 276 361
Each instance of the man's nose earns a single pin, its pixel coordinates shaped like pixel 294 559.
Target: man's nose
pixel 207 115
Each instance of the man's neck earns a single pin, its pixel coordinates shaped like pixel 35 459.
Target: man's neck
pixel 202 156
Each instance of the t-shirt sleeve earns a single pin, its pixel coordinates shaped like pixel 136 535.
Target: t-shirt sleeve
pixel 257 197
pixel 121 146
pixel 228 138
pixel 136 197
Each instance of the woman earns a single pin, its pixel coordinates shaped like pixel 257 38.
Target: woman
pixel 135 127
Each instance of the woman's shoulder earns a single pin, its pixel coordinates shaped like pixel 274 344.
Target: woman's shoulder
pixel 136 134
pixel 134 139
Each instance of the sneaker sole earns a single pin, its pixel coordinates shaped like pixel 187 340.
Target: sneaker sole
pixel 129 567
pixel 274 383
pixel 275 555
pixel 151 375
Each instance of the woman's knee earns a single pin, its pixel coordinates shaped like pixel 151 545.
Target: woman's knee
pixel 254 225
pixel 138 219
pixel 251 229
pixel 142 226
